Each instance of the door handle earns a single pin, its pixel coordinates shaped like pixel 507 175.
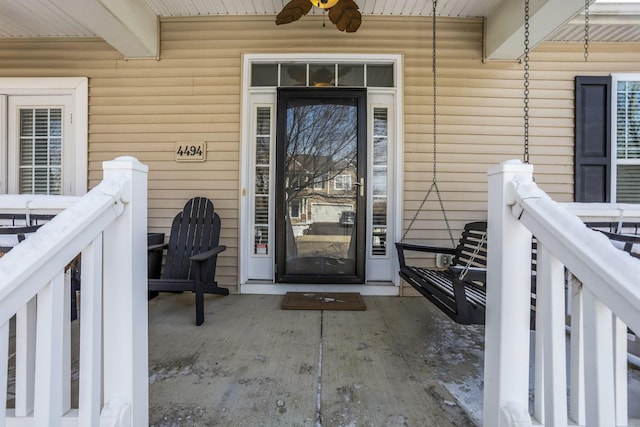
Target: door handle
pixel 361 185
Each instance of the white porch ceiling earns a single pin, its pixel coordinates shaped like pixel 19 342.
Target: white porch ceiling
pixel 131 26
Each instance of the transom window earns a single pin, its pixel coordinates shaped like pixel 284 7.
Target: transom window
pixel 322 74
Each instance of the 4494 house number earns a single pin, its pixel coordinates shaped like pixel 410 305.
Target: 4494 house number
pixel 191 151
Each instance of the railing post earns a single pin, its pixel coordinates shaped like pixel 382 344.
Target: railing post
pixel 506 369
pixel 125 298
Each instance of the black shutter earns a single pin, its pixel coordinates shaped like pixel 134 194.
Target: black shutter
pixel 592 173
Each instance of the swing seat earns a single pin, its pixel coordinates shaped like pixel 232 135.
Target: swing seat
pixel 459 291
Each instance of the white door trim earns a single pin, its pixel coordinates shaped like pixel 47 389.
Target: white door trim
pixel 371 287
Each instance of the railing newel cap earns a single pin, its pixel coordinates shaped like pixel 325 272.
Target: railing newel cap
pixel 125 163
pixel 511 166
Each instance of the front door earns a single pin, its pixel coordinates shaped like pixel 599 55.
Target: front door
pixel 320 197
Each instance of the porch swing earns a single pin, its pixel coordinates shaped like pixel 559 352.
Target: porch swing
pixel 459 290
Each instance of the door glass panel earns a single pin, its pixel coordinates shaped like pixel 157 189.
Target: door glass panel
pixel 321 187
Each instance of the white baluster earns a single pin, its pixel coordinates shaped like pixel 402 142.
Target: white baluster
pixel 598 362
pixel 4 361
pixel 550 303
pixel 25 358
pixel 576 396
pixel 90 387
pixel 49 353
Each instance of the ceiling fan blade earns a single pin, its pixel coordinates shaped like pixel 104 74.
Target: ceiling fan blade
pixel 293 11
pixel 346 16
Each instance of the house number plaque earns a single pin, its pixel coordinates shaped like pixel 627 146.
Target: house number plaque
pixel 191 151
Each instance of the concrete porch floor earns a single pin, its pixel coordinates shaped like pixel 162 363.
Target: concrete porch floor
pixel 399 363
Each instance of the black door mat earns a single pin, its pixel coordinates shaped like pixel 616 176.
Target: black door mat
pixel 323 301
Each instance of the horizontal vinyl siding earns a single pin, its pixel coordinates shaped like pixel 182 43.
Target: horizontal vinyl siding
pixel 193 93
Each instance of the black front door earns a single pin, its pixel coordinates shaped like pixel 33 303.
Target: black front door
pixel 320 185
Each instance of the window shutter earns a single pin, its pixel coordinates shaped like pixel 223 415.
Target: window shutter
pixel 592 161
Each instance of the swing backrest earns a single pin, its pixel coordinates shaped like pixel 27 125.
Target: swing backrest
pixel 472 247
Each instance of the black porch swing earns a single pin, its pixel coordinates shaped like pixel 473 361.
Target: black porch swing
pixel 460 290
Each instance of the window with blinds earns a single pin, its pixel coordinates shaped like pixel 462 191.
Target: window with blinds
pixel 262 171
pixel 40 151
pixel 380 180
pixel 628 142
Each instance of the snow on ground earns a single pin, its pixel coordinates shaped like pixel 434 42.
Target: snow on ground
pixel 468 390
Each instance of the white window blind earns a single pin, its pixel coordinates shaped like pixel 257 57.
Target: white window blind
pixel 380 180
pixel 262 143
pixel 40 152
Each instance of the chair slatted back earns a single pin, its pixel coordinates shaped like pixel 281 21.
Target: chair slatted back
pixel 194 230
pixel 472 247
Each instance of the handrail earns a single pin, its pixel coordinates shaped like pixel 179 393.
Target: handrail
pixel 613 273
pixel 602 302
pixel 108 227
pixel 55 244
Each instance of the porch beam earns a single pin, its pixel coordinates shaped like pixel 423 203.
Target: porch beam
pixel 504 27
pixel 127 25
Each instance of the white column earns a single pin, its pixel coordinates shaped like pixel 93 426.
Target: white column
pixel 506 372
pixel 125 295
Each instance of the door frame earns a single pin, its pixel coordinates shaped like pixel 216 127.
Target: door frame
pixel 360 94
pixel 371 286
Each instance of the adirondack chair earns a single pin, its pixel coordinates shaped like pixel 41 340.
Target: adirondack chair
pixel 190 261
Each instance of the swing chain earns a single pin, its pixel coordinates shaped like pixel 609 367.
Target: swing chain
pixel 434 183
pixel 586 30
pixel 433 73
pixel 526 82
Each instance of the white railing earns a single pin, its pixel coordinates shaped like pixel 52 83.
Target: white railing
pixel 108 227
pixel 607 300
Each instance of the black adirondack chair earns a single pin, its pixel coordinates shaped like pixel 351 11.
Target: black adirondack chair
pixel 190 262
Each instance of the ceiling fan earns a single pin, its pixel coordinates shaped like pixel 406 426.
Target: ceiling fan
pixel 343 13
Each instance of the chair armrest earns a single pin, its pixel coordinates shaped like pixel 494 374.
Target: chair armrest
pixel 402 247
pixel 425 248
pixel 203 256
pixel 473 273
pixel 159 246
